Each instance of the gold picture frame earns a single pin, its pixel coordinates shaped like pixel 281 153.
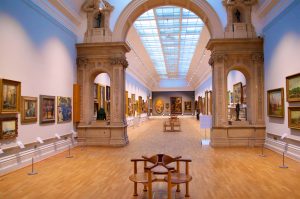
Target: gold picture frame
pixel 275 106
pixel 293 88
pixel 10 96
pixel 29 108
pixel 8 127
pixel 294 117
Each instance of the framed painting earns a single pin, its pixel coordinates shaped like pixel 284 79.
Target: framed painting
pixel 129 107
pixel 275 103
pixel 244 94
pixel 102 97
pixel 64 109
pixel 47 109
pixel 8 127
pixel 176 105
pixel 167 107
pixel 294 117
pixel 237 92
pixel 293 88
pixel 159 106
pixel 188 106
pixel 10 96
pixel 28 109
pixel 107 93
pixel 140 104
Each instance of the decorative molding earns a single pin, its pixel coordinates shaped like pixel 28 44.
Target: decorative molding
pixel 266 7
pixel 119 61
pixel 62 14
pixel 20 159
pixel 292 151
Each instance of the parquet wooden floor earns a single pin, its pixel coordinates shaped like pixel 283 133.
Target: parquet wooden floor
pixel 102 173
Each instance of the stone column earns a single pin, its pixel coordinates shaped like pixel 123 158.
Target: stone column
pixel 218 61
pixel 119 65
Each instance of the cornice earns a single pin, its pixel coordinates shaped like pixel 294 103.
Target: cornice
pixel 62 14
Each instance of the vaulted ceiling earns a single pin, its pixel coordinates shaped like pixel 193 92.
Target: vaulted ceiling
pixel 168 44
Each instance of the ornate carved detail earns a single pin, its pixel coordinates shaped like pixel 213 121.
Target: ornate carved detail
pixel 119 61
pixel 258 57
pixel 81 61
pixel 217 58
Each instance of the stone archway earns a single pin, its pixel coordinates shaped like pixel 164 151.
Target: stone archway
pixel 245 55
pixel 93 59
pixel 137 7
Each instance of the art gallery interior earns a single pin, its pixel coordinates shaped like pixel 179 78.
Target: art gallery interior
pixel 149 99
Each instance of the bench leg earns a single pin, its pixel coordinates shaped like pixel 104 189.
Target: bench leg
pixel 135 189
pixel 187 190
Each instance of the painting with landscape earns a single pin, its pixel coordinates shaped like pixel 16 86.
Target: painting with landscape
pixel 275 103
pixel 293 88
pixel 294 117
pixel 8 127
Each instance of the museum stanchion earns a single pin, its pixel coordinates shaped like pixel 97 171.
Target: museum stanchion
pixel 262 151
pixel 283 166
pixel 69 150
pixel 33 172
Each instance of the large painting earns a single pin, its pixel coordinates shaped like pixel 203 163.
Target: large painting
pixel 64 109
pixel 293 88
pixel 159 106
pixel 176 105
pixel 294 117
pixel 188 106
pixel 10 96
pixel 28 109
pixel 276 103
pixel 8 127
pixel 237 92
pixel 47 109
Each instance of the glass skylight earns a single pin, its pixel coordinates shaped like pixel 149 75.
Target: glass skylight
pixel 170 35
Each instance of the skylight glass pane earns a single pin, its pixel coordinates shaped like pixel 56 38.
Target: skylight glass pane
pixel 170 35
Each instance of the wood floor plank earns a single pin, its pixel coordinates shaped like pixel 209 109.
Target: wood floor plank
pixel 102 172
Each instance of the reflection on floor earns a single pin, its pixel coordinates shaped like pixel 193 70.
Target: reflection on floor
pixel 96 172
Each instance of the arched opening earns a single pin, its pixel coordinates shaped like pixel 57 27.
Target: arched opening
pixel 236 96
pixel 102 97
pixel 135 9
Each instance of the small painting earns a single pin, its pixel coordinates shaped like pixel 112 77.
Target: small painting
pixel 10 96
pixel 159 106
pixel 28 109
pixel 237 92
pixel 167 107
pixel 294 117
pixel 8 127
pixel 276 103
pixel 176 105
pixel 64 109
pixel 47 109
pixel 188 106
pixel 107 93
pixel 293 88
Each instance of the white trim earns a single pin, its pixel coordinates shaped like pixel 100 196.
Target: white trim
pixel 278 146
pixel 22 159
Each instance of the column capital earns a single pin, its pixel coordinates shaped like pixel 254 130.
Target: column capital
pixel 119 61
pixel 258 57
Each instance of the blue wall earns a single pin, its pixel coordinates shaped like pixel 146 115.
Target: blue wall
pixel 282 58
